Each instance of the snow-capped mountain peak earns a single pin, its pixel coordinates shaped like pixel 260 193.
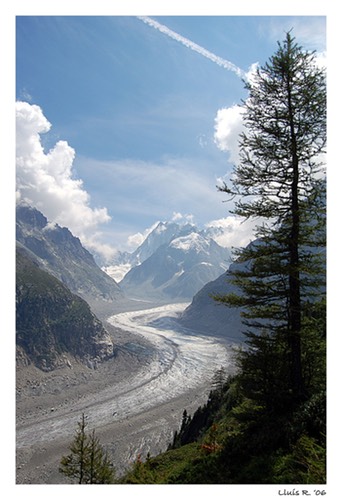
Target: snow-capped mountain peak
pixel 178 268
pixel 162 234
pixel 191 242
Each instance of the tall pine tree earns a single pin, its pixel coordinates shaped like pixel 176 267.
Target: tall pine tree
pixel 279 180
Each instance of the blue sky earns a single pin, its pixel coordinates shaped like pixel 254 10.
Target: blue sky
pixel 134 121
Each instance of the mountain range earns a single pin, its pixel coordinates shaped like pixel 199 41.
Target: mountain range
pixel 207 316
pixel 174 263
pixel 58 279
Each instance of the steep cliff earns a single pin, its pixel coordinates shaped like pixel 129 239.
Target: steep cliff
pixel 61 254
pixel 52 324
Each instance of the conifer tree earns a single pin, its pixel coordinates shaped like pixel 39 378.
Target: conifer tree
pixel 87 463
pixel 100 468
pixel 279 180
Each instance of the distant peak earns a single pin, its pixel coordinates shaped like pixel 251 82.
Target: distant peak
pixel 192 241
pixel 30 215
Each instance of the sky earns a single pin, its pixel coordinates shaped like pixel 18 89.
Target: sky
pixel 125 120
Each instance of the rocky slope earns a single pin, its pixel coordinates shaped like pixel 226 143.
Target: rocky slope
pixel 61 254
pixel 54 325
pixel 206 315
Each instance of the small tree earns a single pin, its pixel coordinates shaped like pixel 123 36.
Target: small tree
pixel 100 467
pixel 219 379
pixel 88 463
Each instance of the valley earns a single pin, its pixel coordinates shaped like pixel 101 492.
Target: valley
pixel 134 400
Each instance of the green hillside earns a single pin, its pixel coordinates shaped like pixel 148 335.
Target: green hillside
pixel 232 440
pixel 52 321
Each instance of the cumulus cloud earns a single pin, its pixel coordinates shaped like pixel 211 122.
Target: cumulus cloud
pixel 228 127
pixel 183 219
pixel 135 240
pixel 45 180
pixel 232 231
pixel 229 121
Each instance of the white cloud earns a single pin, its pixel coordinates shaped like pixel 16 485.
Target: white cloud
pixel 117 272
pixel 94 243
pixel 180 218
pixel 252 71
pixel 233 231
pixel 177 216
pixel 135 240
pixel 229 121
pixel 228 127
pixel 45 179
pixel 321 60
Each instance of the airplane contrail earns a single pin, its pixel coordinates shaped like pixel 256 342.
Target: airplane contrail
pixel 193 46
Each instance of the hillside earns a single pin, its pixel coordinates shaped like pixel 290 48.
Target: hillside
pixel 53 324
pixel 58 252
pixel 209 317
pixel 230 440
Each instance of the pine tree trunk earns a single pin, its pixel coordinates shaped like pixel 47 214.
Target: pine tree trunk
pixel 295 316
pixel 294 326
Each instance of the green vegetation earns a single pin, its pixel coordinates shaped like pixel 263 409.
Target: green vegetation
pixel 279 180
pixel 88 463
pixel 232 440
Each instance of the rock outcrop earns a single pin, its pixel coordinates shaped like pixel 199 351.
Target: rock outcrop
pixel 54 325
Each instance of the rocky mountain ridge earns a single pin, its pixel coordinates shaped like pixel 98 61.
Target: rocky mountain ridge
pixel 58 252
pixel 53 325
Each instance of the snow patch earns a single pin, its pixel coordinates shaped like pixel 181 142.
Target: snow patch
pixel 191 242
